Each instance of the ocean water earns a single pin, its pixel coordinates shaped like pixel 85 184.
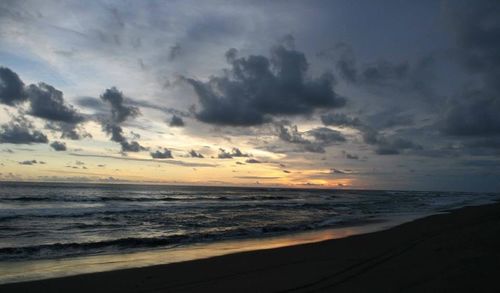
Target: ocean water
pixel 54 220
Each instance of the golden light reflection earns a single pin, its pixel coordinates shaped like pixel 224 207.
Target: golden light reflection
pixel 33 270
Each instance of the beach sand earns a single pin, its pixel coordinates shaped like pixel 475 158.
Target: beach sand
pixel 455 252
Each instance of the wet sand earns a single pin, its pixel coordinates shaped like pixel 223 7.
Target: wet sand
pixel 455 252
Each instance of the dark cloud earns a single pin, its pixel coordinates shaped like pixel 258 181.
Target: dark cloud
pixel 176 121
pixel 166 110
pixel 58 146
pixel 326 135
pixel 11 87
pixel 48 103
pixel 165 154
pixel 340 120
pixel 485 143
pixel 253 161
pixel 132 146
pixel 394 146
pixel 21 131
pixel 257 88
pixel 474 115
pixel 338 171
pixel 223 154
pixel 289 133
pixel 68 130
pixel 170 162
pixel 476 28
pixel 175 51
pixel 314 140
pixel 92 103
pixel 410 78
pixel 350 156
pixel 385 145
pixel 392 117
pixel 235 153
pixel 195 154
pixel 29 162
pixel 119 113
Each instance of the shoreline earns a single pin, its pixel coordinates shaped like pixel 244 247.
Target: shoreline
pixel 41 269
pixel 455 250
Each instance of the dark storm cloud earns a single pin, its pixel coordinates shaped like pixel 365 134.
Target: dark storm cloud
pixel 58 146
pixel 68 130
pixel 485 143
pixel 235 153
pixel 340 120
pixel 385 145
pixel 394 146
pixel 476 28
pixel 21 131
pixel 132 146
pixel 253 161
pixel 195 154
pixel 289 133
pixel 166 110
pixel 100 107
pixel 159 154
pixel 11 87
pixel 257 88
pixel 176 121
pixel 314 140
pixel 474 115
pixel 326 135
pixel 47 102
pixel 402 76
pixel 119 113
pixel 391 117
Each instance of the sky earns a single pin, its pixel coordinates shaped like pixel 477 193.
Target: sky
pixel 327 94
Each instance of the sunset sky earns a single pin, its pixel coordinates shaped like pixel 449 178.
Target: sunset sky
pixel 339 94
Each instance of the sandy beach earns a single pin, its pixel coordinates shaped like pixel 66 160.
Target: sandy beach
pixel 454 252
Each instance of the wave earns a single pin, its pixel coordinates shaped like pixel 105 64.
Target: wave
pixel 113 245
pixel 145 199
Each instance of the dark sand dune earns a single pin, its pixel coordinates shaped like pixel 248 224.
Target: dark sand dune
pixel 456 252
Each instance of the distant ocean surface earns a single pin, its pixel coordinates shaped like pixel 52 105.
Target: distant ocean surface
pixel 51 220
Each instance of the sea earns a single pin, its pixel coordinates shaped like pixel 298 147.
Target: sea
pixel 54 221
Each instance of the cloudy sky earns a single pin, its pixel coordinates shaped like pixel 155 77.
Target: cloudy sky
pixel 343 94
